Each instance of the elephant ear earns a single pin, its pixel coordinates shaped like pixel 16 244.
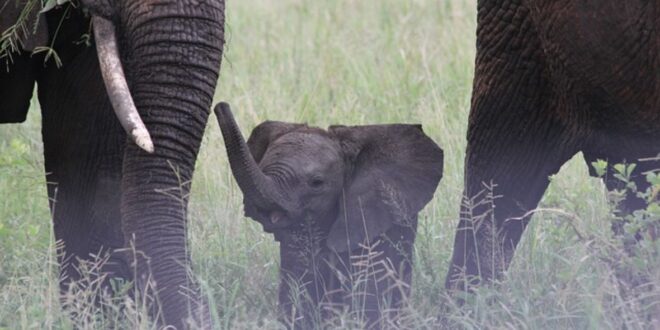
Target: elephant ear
pixel 17 71
pixel 395 171
pixel 34 33
pixel 267 132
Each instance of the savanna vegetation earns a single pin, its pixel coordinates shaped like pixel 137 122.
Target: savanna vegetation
pixel 348 62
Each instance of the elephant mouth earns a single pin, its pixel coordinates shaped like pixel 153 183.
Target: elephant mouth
pixel 271 221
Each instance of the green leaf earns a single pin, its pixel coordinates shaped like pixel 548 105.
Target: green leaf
pixel 620 168
pixel 653 178
pixel 49 4
pixel 654 210
pixel 600 166
pixel 629 169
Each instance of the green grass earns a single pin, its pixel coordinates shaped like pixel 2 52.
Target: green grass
pixel 337 62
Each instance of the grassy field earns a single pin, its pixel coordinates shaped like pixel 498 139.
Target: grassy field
pixel 349 62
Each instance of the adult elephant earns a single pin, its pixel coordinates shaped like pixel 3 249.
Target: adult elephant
pixel 552 78
pixel 106 191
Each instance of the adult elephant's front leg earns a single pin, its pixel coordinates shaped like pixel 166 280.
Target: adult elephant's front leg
pixel 83 151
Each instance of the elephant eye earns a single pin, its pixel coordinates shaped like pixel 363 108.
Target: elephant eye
pixel 316 182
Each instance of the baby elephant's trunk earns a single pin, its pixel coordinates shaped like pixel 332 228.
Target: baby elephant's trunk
pixel 254 184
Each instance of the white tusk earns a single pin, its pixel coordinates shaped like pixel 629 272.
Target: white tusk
pixel 115 83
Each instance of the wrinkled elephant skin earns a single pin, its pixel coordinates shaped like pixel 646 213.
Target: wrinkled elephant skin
pixel 106 192
pixel 552 78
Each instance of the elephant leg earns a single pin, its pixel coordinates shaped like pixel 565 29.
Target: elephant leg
pixel 493 220
pixel 297 304
pixel 389 284
pixel 83 150
pixel 516 140
pixel 497 202
pixel 302 286
pixel 16 86
pixel 381 277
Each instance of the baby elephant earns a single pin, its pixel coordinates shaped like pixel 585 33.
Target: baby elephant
pixel 343 204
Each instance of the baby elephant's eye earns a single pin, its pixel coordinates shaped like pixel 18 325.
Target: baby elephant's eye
pixel 316 182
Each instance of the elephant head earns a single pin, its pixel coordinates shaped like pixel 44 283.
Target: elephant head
pixel 353 181
pixel 155 64
pixel 327 193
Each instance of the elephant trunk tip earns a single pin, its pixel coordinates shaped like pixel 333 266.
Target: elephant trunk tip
pixel 254 184
pixel 222 109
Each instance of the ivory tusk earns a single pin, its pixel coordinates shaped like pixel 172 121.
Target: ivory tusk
pixel 115 83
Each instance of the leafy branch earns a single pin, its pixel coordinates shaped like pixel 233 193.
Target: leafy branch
pixel 11 39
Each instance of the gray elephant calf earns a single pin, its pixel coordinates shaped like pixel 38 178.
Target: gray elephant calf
pixel 343 204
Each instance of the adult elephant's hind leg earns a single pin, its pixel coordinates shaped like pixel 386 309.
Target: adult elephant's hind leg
pixel 498 200
pixel 516 140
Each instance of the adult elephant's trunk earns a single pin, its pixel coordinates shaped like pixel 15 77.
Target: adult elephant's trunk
pixel 173 51
pixel 254 184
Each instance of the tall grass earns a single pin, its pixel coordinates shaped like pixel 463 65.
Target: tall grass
pixel 326 62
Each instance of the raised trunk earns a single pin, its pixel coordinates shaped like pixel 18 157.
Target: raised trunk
pixel 174 56
pixel 254 184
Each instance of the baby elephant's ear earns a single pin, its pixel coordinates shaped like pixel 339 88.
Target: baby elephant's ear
pixel 395 171
pixel 265 133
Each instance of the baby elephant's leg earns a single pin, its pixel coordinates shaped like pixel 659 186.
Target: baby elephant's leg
pixel 387 268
